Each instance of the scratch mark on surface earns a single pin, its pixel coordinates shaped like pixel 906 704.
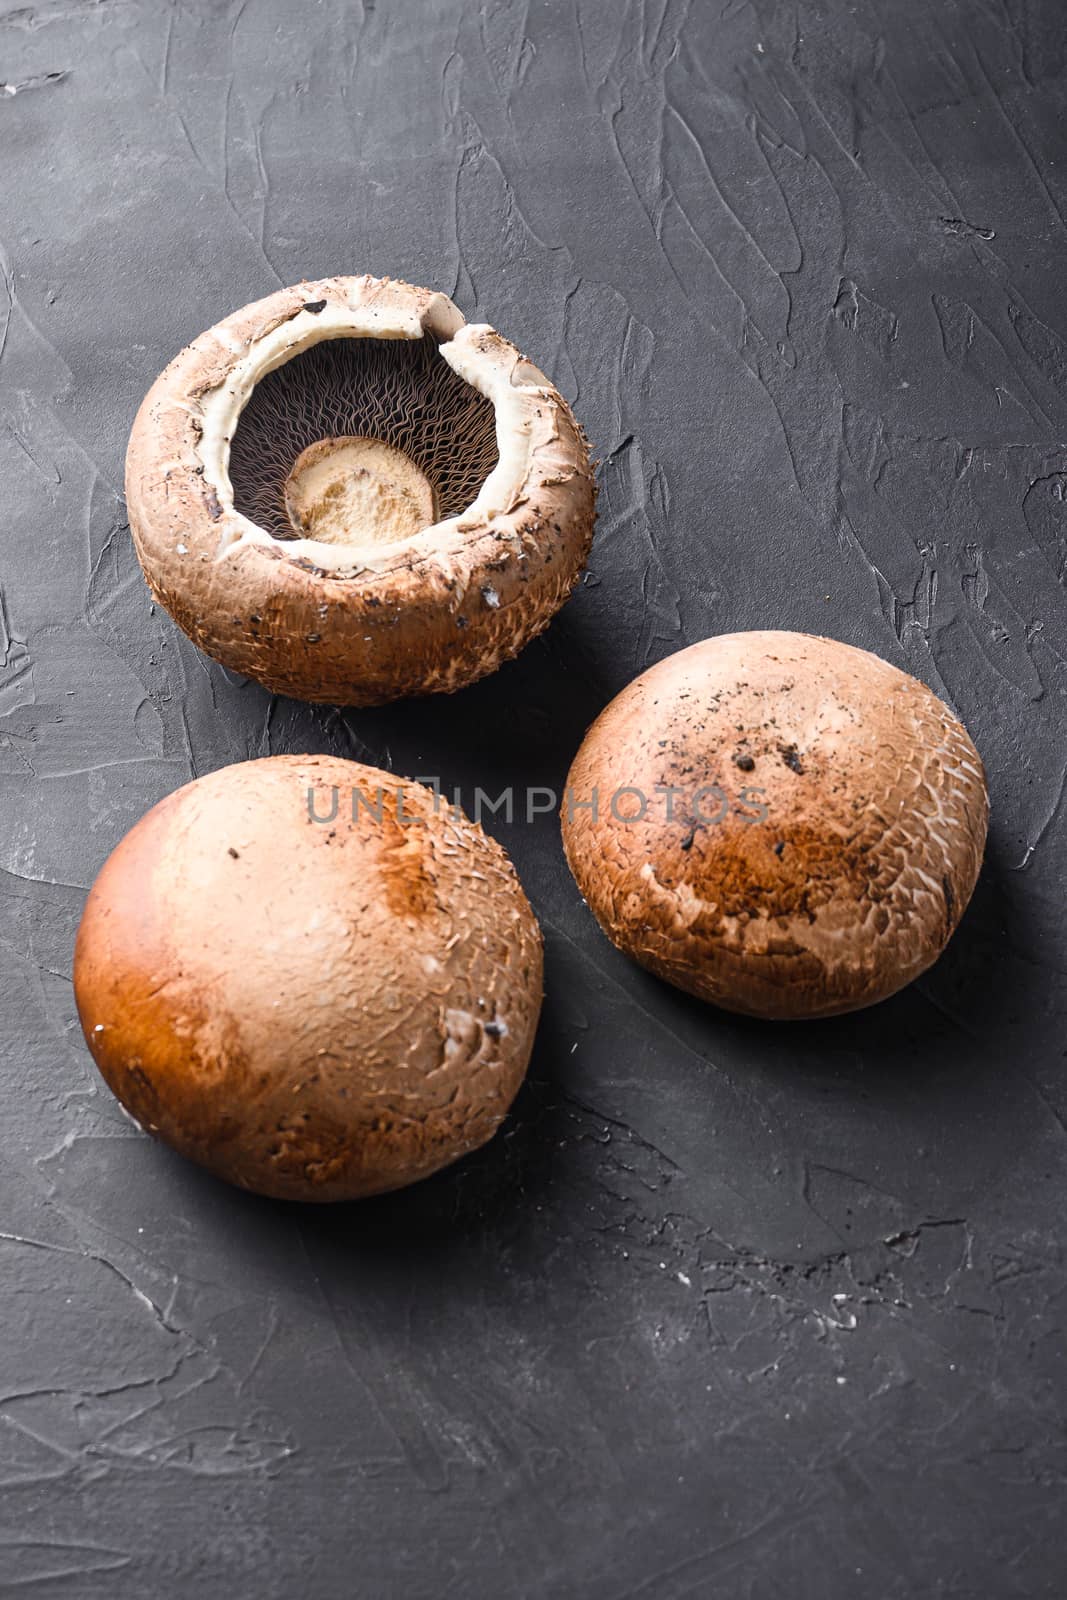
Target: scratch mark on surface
pixel 43 80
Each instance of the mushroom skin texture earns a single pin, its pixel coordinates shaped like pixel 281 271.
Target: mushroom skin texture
pixel 369 620
pixel 312 1009
pixel 823 838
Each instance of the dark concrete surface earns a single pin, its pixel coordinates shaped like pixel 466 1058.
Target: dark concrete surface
pixel 727 1309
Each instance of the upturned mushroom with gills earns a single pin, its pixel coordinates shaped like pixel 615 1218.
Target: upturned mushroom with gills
pixel 350 494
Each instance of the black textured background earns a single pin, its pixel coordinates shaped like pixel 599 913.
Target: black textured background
pixel 727 1309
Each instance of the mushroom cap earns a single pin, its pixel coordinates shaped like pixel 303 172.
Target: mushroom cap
pixel 823 838
pixel 315 1007
pixel 357 623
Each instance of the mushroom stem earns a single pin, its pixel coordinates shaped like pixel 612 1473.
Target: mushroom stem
pixel 358 490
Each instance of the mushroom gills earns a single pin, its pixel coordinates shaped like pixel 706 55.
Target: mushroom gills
pixel 358 489
pixel 359 441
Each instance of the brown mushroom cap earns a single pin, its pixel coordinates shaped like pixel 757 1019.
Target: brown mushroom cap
pixel 824 833
pixel 341 586
pixel 316 1007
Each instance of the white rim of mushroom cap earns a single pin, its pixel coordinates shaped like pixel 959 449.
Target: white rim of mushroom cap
pixel 521 396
